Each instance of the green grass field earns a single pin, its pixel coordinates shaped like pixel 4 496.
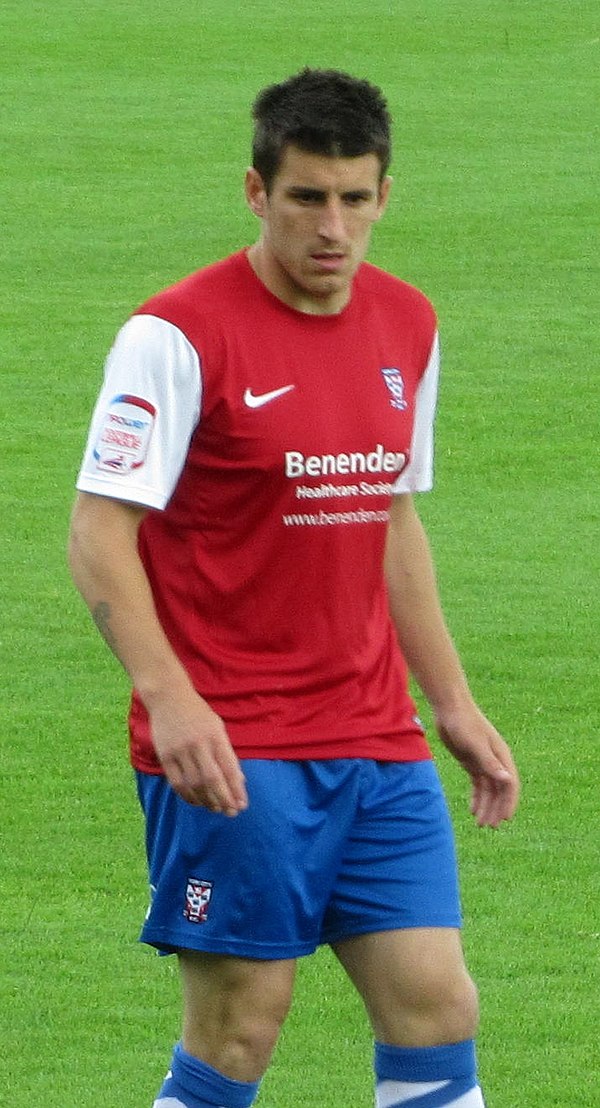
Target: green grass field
pixel 124 140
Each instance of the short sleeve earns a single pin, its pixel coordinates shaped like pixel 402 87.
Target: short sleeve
pixel 146 413
pixel 418 474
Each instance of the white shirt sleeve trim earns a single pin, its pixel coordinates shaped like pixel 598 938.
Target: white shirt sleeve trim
pixel 145 416
pixel 418 475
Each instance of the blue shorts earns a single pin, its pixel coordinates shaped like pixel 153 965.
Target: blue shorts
pixel 326 850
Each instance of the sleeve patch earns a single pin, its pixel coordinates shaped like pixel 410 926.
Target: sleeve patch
pixel 125 434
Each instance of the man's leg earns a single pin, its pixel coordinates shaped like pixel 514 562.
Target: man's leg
pixel 233 1011
pixel 424 1012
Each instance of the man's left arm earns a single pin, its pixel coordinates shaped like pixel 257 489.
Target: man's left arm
pixel 433 660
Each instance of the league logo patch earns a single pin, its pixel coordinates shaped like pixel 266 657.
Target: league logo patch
pixel 395 383
pixel 197 900
pixel 123 441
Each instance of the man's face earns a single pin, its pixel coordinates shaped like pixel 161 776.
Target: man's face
pixel 316 226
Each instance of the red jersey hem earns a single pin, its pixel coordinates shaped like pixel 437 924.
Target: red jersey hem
pixel 416 749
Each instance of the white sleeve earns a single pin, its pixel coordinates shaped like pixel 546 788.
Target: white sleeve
pixel 418 475
pixel 145 416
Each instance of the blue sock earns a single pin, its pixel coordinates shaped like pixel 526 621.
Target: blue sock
pixel 427 1076
pixel 191 1083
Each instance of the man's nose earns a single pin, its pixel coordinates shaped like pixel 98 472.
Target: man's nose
pixel 331 224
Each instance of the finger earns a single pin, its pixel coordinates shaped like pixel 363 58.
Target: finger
pixel 233 781
pixel 511 797
pixel 494 800
pixel 505 762
pixel 215 804
pixel 507 789
pixel 236 789
pixel 208 774
pixel 194 782
pixel 203 797
pixel 483 802
pixel 217 794
pixel 209 799
pixel 178 778
pixel 499 808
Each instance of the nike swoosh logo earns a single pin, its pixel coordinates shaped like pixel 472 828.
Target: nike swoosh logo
pixel 257 401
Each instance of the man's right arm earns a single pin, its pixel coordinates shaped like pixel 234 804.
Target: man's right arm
pixel 190 739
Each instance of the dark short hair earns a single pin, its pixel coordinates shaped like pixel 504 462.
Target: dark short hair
pixel 322 111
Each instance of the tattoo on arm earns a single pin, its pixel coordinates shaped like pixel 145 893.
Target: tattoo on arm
pixel 102 615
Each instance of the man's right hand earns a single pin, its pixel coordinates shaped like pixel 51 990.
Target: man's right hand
pixel 196 755
pixel 195 752
pixel 190 739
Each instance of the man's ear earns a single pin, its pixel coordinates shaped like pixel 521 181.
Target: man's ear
pixel 256 193
pixel 384 195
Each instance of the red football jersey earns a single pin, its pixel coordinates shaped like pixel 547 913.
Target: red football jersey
pixel 265 555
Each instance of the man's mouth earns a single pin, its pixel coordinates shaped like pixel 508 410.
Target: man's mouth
pixel 328 261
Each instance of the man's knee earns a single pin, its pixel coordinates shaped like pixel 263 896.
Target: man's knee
pixel 246 1032
pixel 458 1009
pixel 415 985
pixel 438 1008
pixel 234 1010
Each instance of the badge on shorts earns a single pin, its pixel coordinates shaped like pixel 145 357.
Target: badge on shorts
pixel 123 441
pixel 197 900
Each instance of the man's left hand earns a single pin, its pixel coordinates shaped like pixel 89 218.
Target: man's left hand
pixel 486 757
